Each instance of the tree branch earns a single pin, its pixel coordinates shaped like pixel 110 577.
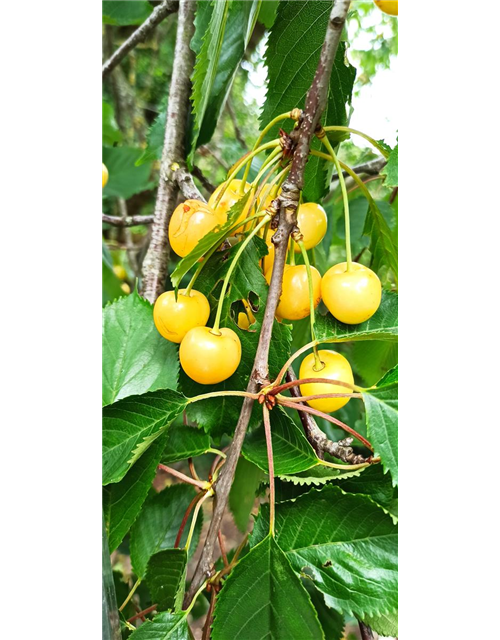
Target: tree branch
pixel 185 181
pixel 158 15
pixel 315 104
pixel 198 173
pixel 128 221
pixel 366 632
pixel 371 168
pixel 155 266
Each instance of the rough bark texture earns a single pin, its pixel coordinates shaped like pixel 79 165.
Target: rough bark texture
pixel 185 182
pixel 158 14
pixel 315 104
pixel 371 168
pixel 128 221
pixel 156 260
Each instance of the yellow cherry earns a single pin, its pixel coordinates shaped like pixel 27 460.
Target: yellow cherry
pixel 335 367
pixel 209 358
pixel 174 318
pixel 246 318
pixel 231 195
pixel 351 296
pixel 312 222
pixel 190 221
pixel 120 272
pixel 388 6
pixel 294 301
pixel 105 175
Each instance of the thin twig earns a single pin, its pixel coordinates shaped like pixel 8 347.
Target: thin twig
pixel 371 168
pixel 315 104
pixel 129 221
pixel 198 173
pixel 185 181
pixel 182 476
pixel 142 613
pixel 158 14
pixel 155 266
pixel 222 549
pixel 366 632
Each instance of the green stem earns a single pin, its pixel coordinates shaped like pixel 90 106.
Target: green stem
pixel 207 495
pixel 359 133
pixel 291 254
pixel 345 197
pixel 216 451
pixel 272 159
pixel 344 467
pixel 270 463
pixel 127 599
pixel 225 284
pixel 218 394
pixel 359 182
pixel 282 116
pixel 318 365
pixel 239 164
pixel 193 601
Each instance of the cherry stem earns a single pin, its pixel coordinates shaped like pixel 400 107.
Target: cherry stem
pixel 359 133
pixel 296 383
pixel 178 474
pixel 132 591
pixel 192 469
pixel 239 164
pixel 197 508
pixel 293 357
pixel 326 416
pixel 270 125
pixel 218 394
pixel 222 548
pixel 345 197
pixel 270 462
pixel 225 284
pixel 317 360
pixel 346 467
pixel 320 396
pixel 197 497
pixel 142 613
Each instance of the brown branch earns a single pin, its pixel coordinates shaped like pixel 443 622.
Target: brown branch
pixel 371 168
pixel 129 221
pixel 198 173
pixel 160 13
pixel 365 630
pixel 185 181
pixel 155 266
pixel 315 104
pixel 142 613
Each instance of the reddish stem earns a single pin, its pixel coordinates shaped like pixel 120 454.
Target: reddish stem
pixel 182 476
pixel 295 383
pixel 270 462
pixel 142 613
pixel 197 497
pixel 320 414
pixel 208 619
pixel 319 396
pixel 192 469
pixel 223 549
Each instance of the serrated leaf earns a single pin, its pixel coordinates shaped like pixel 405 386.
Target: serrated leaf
pixel 373 359
pixel 263 598
pixel 155 138
pixel 246 481
pixel 292 452
pixel 241 16
pixel 110 131
pixel 220 415
pixel 318 476
pixel 123 500
pixel 345 543
pixel 383 243
pixel 131 425
pixel 292 56
pixel 332 621
pixel 389 378
pixel 381 405
pixel 124 12
pixel 386 625
pixel 205 69
pixel 164 626
pixel 125 178
pixel 391 169
pixel 383 325
pixel 267 12
pixel 157 526
pixel 165 577
pixel 135 357
pixel 184 442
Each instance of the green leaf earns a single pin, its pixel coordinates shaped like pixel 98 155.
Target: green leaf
pixel 381 405
pixel 135 357
pixel 371 482
pixel 383 325
pixel 383 243
pixel 391 169
pixel 292 452
pixel 111 285
pixel 246 481
pixel 124 12
pixel 131 425
pixel 373 359
pixel 110 131
pixel 219 415
pixel 205 69
pixel 164 626
pixel 184 442
pixel 319 476
pixel 155 138
pixel 158 524
pixel 332 621
pixel 267 12
pixel 165 577
pixel 345 543
pixel 386 625
pixel 292 56
pixel 263 598
pixel 123 500
pixel 125 178
pixel 241 15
